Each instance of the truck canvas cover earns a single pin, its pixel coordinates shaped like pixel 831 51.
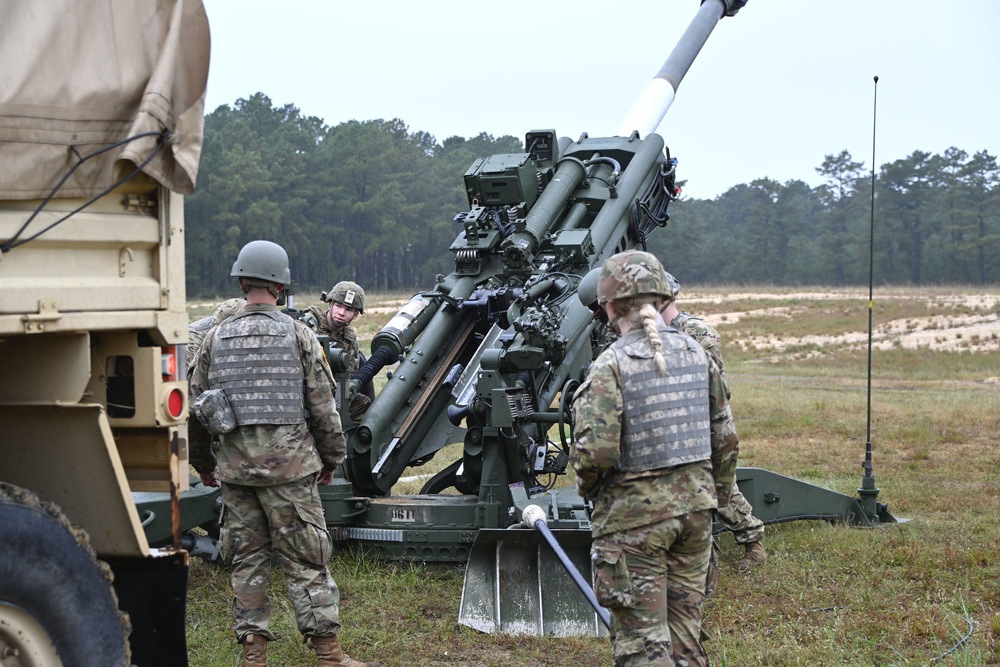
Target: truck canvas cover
pixel 123 69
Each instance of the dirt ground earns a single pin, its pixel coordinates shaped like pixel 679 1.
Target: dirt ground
pixel 975 331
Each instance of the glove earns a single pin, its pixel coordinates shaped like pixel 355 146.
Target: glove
pixel 358 407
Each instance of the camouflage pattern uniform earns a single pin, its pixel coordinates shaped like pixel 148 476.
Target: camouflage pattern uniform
pixel 346 337
pixel 738 514
pixel 350 296
pixel 652 525
pixel 199 328
pixel 268 474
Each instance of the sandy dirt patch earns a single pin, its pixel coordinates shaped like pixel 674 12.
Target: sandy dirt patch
pixel 977 329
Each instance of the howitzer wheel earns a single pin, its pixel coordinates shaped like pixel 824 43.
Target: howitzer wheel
pixel 57 605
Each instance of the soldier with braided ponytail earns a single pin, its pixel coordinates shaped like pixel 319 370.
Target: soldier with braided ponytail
pixel 655 451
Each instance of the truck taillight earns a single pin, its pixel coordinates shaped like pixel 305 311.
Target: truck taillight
pixel 168 364
pixel 175 403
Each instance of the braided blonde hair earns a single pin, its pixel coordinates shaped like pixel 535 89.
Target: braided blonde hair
pixel 651 324
pixel 642 312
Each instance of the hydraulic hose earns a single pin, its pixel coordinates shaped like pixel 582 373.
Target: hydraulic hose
pixel 381 358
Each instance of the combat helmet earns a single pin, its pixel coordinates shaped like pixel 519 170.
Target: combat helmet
pixel 264 260
pixel 586 291
pixel 630 274
pixel 672 283
pixel 346 293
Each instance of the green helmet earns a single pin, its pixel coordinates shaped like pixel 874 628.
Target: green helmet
pixel 346 293
pixel 586 291
pixel 630 274
pixel 264 260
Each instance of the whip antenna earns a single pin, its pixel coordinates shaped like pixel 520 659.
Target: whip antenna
pixel 868 490
pixel 871 286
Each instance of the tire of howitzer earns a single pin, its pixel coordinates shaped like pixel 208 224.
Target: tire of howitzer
pixel 56 598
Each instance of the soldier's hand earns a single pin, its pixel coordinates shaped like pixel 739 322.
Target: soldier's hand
pixel 358 407
pixel 324 477
pixel 208 478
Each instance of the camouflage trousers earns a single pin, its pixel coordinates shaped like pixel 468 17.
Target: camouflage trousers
pixel 283 523
pixel 652 580
pixel 738 517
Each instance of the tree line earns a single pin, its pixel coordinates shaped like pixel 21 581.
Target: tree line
pixel 374 202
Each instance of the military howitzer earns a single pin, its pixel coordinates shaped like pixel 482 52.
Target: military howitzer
pixel 499 344
pixel 490 358
pixel 498 339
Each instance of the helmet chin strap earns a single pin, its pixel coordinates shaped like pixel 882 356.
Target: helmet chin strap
pixel 613 321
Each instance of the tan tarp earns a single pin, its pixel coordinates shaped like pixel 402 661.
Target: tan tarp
pixel 77 76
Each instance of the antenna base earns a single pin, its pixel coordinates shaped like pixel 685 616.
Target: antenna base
pixel 875 511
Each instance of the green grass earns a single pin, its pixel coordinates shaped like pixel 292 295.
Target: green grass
pixel 903 594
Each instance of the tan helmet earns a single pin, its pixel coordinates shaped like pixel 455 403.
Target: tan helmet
pixel 264 260
pixel 346 293
pixel 630 274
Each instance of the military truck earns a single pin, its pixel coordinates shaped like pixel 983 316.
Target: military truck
pixel 101 118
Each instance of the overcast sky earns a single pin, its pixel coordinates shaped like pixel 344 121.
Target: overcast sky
pixel 775 89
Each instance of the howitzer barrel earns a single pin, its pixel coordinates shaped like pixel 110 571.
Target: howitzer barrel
pixel 648 111
pixel 610 223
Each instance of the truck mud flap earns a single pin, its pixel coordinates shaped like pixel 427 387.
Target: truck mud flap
pixel 515 584
pixel 153 591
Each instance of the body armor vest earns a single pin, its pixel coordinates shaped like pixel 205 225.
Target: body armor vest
pixel 666 419
pixel 255 360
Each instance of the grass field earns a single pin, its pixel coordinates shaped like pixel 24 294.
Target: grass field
pixel 922 592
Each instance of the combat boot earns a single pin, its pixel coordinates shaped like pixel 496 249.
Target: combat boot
pixel 254 651
pixel 755 555
pixel 330 654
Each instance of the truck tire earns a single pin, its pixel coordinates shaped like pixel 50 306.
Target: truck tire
pixel 57 605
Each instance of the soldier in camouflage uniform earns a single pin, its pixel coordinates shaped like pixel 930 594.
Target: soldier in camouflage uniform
pixel 279 435
pixel 737 516
pixel 347 302
pixel 655 451
pixel 198 328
